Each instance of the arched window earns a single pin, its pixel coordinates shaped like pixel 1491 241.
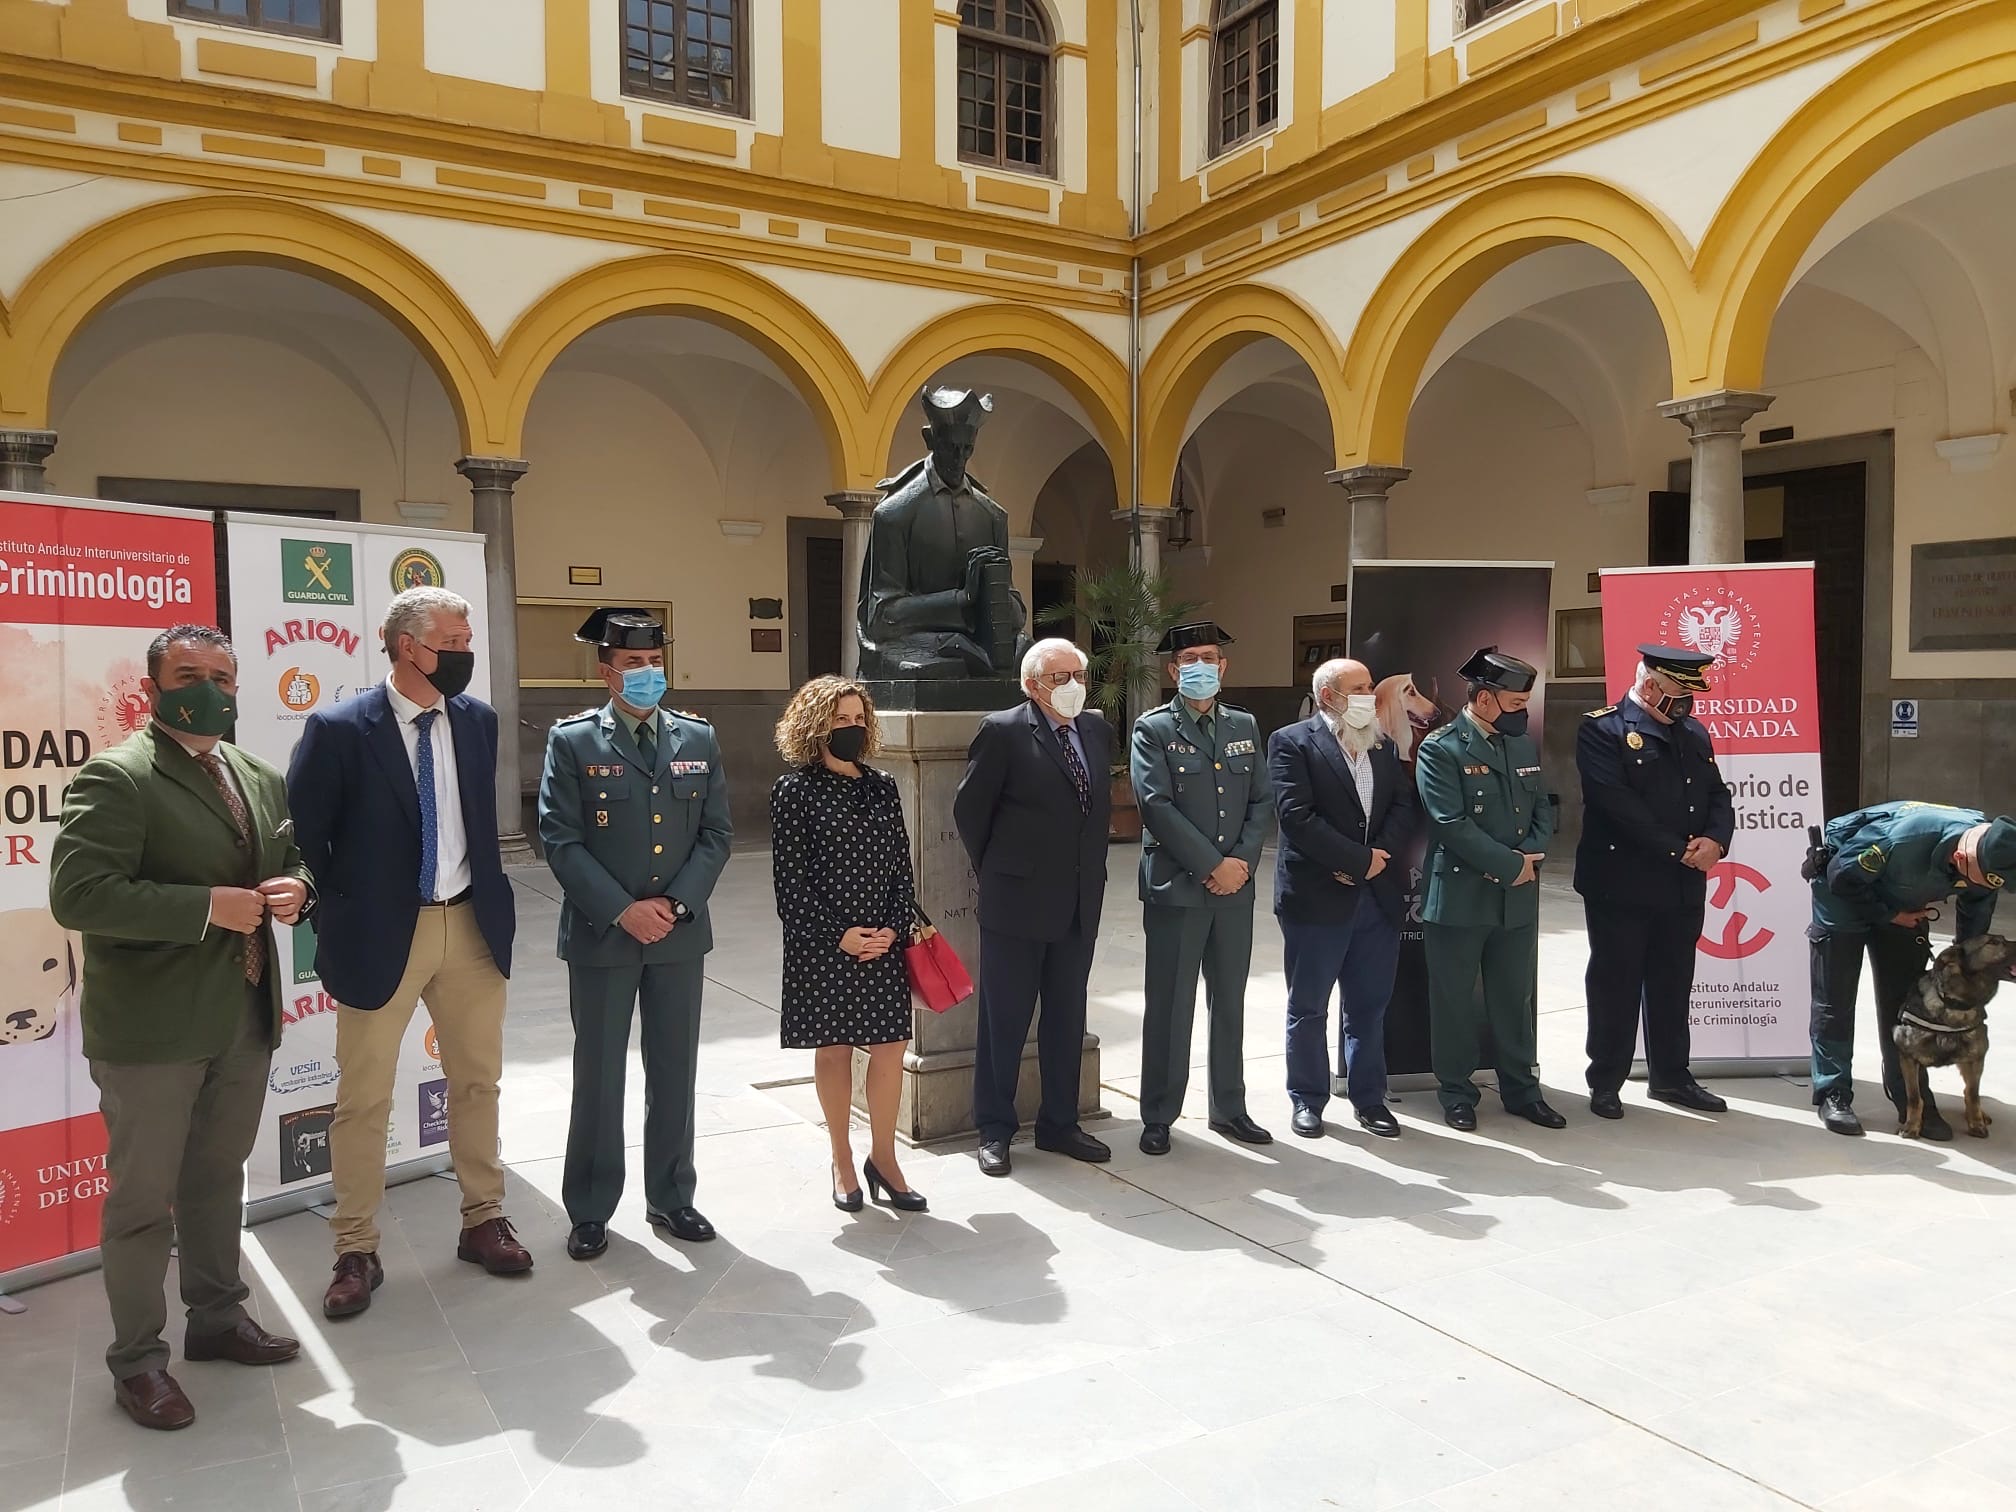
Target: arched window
pixel 1245 70
pixel 687 52
pixel 1005 105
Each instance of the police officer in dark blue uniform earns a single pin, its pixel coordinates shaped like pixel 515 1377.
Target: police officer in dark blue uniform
pixel 1657 817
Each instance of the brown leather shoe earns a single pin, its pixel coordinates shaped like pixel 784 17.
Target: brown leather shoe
pixel 495 1247
pixel 357 1276
pixel 246 1344
pixel 153 1400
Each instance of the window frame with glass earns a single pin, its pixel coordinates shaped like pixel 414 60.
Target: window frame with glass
pixel 1233 20
pixel 255 18
pixel 993 43
pixel 642 84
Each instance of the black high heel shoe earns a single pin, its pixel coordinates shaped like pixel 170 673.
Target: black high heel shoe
pixel 879 1188
pixel 848 1202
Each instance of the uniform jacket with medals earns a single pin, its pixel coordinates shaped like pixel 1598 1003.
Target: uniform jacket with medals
pixel 1647 789
pixel 1485 805
pixel 1897 858
pixel 615 832
pixel 1200 802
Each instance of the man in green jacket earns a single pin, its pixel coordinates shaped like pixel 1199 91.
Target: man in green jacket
pixel 174 858
pixel 1886 867
pixel 1490 819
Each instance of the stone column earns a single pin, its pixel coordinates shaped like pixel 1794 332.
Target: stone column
pixel 1365 488
pixel 1022 551
pixel 23 454
pixel 491 480
pixel 856 510
pixel 1154 530
pixel 1715 497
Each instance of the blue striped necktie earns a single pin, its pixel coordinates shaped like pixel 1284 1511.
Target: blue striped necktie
pixel 430 818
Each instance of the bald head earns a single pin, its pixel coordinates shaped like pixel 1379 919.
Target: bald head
pixel 1340 678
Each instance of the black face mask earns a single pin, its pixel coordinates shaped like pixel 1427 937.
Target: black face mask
pixel 452 671
pixel 1510 722
pixel 847 743
pixel 1674 706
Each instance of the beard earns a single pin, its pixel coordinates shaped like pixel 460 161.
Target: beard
pixel 1356 741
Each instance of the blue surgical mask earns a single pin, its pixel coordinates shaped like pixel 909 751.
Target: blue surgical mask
pixel 1198 680
pixel 643 687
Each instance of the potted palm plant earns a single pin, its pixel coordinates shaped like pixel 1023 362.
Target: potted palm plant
pixel 1120 615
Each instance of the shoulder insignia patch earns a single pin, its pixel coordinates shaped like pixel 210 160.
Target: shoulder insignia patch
pixel 689 714
pixel 576 718
pixel 1871 860
pixel 1599 713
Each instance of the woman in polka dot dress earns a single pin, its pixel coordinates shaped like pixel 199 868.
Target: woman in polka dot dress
pixel 841 860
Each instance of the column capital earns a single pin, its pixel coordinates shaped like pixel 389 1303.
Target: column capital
pixel 493 472
pixel 26 448
pixel 854 504
pixel 1154 518
pixel 1724 412
pixel 1025 546
pixel 1370 480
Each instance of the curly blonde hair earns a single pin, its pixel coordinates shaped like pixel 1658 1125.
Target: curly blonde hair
pixel 801 733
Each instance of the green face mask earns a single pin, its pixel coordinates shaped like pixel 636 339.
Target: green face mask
pixel 200 709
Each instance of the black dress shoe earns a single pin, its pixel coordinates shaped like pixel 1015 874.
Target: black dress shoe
pixel 1539 1113
pixel 683 1223
pixel 1379 1120
pixel 1307 1122
pixel 1837 1117
pixel 1606 1105
pixel 1077 1144
pixel 1461 1116
pixel 1154 1139
pixel 587 1240
pixel 1242 1129
pixel 994 1159
pixel 1689 1094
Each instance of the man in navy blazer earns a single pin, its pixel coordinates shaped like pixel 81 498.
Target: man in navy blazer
pixel 1032 810
pixel 395 811
pixel 1347 810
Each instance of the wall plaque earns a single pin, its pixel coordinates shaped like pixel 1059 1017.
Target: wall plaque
pixel 1963 595
pixel 766 640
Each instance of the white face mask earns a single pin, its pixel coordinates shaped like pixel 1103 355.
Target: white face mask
pixel 1360 709
pixel 1069 700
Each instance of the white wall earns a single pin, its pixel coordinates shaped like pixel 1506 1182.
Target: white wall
pixel 497 41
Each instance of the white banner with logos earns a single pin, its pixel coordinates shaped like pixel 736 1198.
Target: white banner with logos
pixel 307 597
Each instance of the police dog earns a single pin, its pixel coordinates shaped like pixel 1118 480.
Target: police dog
pixel 1944 1022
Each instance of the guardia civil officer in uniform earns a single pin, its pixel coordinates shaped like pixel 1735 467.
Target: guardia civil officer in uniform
pixel 1656 819
pixel 1885 869
pixel 1490 819
pixel 633 811
pixel 1200 777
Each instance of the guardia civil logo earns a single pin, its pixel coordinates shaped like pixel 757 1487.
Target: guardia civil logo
pixel 414 568
pixel 316 572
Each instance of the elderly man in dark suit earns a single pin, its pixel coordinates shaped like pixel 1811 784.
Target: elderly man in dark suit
pixel 174 854
pixel 1032 810
pixel 395 803
pixel 1347 811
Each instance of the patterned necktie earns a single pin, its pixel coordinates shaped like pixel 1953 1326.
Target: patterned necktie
pixel 1078 773
pixel 430 818
pixel 647 745
pixel 255 943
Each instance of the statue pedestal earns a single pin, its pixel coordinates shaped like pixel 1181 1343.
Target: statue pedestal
pixel 925 751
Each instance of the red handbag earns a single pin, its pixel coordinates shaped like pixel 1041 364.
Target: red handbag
pixel 938 977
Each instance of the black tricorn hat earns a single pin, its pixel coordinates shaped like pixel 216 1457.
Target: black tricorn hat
pixel 1196 633
pixel 955 406
pixel 1493 668
pixel 622 630
pixel 1687 668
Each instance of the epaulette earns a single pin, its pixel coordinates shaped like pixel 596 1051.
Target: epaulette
pixel 689 714
pixel 1599 713
pixel 1234 708
pixel 565 719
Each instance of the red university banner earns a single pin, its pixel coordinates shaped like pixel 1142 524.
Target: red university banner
pixel 1752 994
pixel 82 588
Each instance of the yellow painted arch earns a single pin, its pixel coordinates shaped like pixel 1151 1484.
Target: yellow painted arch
pixel 1206 336
pixel 221 230
pixel 1451 260
pixel 1087 369
pixel 1955 67
pixel 721 294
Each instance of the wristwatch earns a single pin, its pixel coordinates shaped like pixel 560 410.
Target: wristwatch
pixel 679 910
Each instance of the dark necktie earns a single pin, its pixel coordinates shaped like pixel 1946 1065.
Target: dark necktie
pixel 647 745
pixel 430 817
pixel 255 943
pixel 1079 775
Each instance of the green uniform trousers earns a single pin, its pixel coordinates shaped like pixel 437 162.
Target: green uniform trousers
pixel 1508 959
pixel 603 999
pixel 177 1138
pixel 1181 943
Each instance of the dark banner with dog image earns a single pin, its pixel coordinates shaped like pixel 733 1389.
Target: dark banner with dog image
pixel 1413 624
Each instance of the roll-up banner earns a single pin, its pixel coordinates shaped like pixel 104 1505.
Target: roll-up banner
pixel 1752 984
pixel 307 598
pixel 84 586
pixel 1413 624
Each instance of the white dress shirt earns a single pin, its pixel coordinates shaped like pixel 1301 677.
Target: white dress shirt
pixel 451 854
pixel 1361 773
